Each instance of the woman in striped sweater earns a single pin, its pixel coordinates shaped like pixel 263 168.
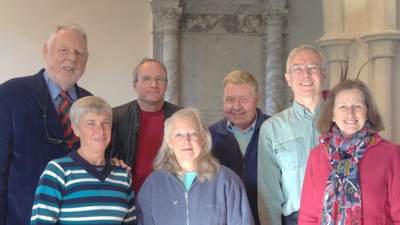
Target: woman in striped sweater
pixel 82 187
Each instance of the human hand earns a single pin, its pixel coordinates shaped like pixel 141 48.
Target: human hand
pixel 121 163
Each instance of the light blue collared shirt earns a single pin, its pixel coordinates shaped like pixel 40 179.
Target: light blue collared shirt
pixel 285 142
pixel 243 138
pixel 54 91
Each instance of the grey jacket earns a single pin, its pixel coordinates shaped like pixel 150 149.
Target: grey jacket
pixel 163 200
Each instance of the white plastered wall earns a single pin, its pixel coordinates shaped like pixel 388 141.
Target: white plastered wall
pixel 119 35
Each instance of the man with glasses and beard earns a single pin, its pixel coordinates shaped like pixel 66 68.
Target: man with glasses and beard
pixel 31 130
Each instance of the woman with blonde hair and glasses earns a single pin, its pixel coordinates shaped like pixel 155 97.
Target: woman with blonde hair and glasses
pixel 189 186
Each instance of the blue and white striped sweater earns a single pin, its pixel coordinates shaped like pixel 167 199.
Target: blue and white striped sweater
pixel 71 191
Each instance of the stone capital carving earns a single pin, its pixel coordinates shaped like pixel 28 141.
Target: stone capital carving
pixel 382 43
pixel 276 4
pixel 275 17
pixel 170 18
pixel 336 48
pixel 207 23
pixel 199 23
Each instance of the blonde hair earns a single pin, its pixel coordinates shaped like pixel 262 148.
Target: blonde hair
pixel 242 77
pixel 208 166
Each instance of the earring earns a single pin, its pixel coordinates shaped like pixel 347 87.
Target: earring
pixel 333 119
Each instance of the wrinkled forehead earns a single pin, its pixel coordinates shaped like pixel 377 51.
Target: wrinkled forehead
pixel 306 55
pixel 234 89
pixel 151 68
pixel 68 34
pixel 95 111
pixel 185 120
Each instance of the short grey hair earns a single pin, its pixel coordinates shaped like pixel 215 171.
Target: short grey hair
pixel 303 48
pixel 69 26
pixel 144 60
pixel 89 104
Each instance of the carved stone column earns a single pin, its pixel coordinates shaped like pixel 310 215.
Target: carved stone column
pixel 274 66
pixel 167 18
pixel 382 46
pixel 333 17
pixel 335 41
pixel 336 52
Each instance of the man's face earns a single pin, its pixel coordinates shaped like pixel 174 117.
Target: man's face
pixel 240 105
pixel 66 56
pixel 306 76
pixel 150 93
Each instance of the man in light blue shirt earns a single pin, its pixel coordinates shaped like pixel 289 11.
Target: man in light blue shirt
pixel 287 138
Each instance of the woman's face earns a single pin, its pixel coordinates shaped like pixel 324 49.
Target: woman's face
pixel 349 111
pixel 186 142
pixel 94 132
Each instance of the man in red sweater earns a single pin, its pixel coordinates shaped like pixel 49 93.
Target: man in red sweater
pixel 138 125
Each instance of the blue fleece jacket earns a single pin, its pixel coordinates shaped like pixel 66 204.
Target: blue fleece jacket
pixel 164 200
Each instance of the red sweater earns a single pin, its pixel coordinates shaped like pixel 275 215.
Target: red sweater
pixel 150 139
pixel 379 172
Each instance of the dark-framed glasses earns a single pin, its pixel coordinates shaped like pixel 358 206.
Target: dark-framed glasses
pixel 147 80
pixel 50 139
pixel 312 68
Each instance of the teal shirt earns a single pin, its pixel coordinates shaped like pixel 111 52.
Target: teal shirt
pixel 187 179
pixel 243 138
pixel 284 145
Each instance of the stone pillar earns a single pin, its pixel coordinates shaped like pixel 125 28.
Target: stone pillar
pixel 335 42
pixel 382 54
pixel 274 66
pixel 167 15
pixel 333 17
pixel 336 53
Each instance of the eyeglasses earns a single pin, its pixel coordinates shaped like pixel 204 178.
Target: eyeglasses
pixel 49 139
pixel 299 69
pixel 147 80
